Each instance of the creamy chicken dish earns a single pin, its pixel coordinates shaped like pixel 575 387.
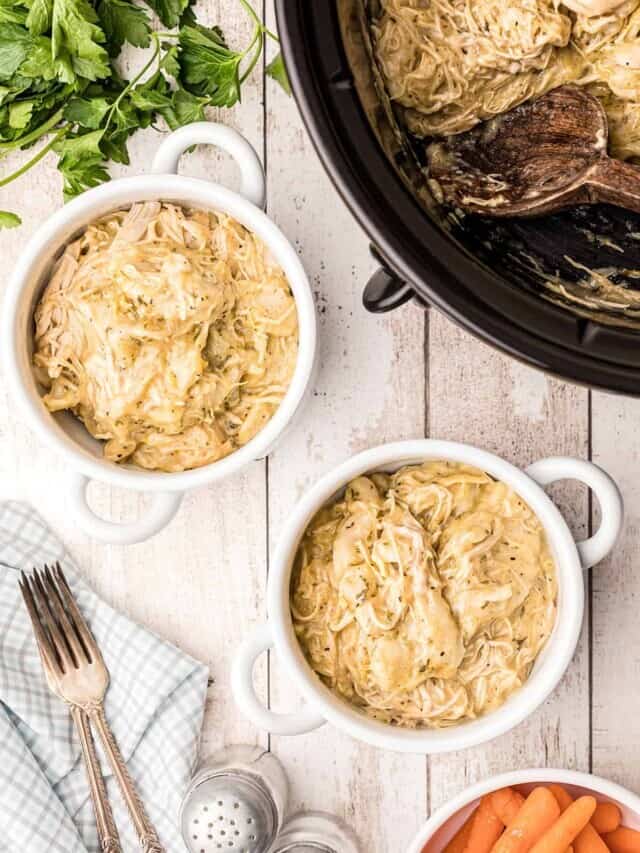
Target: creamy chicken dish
pixel 171 333
pixel 449 64
pixel 424 597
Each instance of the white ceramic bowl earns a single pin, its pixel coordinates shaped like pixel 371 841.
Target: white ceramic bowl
pixel 63 432
pixel 447 820
pixel 570 558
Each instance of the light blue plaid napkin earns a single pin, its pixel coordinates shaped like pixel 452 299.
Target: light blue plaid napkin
pixel 155 705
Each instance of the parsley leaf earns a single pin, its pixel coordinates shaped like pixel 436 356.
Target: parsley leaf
pixel 82 163
pixel 170 62
pixel 208 66
pixel 169 11
pixel 122 21
pixel 12 12
pixel 74 33
pixel 277 71
pixel 20 113
pixel 39 17
pixel 9 220
pixel 152 96
pixel 184 108
pixel 177 107
pixel 41 63
pixel 15 42
pixel 87 112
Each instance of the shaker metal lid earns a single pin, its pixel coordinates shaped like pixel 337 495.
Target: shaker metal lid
pixel 231 811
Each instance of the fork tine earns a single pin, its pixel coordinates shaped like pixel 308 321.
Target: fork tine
pixel 55 634
pixel 64 621
pixel 79 622
pixel 45 648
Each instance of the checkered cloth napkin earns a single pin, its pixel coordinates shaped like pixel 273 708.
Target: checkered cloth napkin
pixel 154 704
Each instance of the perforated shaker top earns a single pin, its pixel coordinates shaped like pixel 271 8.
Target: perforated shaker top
pixel 230 812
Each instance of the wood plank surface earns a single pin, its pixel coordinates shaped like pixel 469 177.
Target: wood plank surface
pixel 616 593
pixel 201 583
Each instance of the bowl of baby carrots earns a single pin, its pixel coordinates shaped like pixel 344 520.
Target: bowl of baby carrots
pixel 536 811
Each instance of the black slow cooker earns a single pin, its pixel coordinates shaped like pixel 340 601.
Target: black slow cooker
pixel 490 277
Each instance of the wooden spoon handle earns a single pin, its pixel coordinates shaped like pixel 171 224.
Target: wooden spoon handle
pixel 615 182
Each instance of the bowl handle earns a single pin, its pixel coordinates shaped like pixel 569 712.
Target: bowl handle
pixel 596 548
pixel 165 505
pixel 245 695
pixel 253 185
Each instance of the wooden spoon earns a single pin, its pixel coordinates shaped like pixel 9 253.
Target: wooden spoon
pixel 539 158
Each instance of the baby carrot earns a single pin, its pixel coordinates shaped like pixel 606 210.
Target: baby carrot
pixel 506 804
pixel 486 829
pixel 563 797
pixel 622 840
pixel 538 812
pixel 587 841
pixel 459 840
pixel 606 818
pixel 564 830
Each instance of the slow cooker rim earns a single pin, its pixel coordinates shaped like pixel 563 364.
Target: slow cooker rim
pixel 445 289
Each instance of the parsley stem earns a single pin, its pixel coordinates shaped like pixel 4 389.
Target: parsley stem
pixel 254 58
pixel 132 83
pixel 35 134
pixel 257 41
pixel 30 163
pixel 252 13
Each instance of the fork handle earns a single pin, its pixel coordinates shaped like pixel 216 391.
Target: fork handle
pixel 147 836
pixel 107 831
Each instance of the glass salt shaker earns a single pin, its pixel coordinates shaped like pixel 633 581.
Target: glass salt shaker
pixel 235 803
pixel 315 832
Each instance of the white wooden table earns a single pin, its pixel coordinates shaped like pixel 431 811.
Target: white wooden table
pixel 201 583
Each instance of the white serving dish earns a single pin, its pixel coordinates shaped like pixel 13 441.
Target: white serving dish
pixel 64 433
pixel 571 559
pixel 447 820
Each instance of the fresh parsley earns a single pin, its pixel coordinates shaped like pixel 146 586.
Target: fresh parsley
pixel 123 21
pixel 9 220
pixel 60 89
pixel 277 71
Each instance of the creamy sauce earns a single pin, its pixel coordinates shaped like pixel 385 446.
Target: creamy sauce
pixel 172 334
pixel 593 8
pixel 595 294
pixel 449 64
pixel 424 598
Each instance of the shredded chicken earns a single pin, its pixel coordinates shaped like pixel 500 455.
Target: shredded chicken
pixel 424 598
pixel 171 333
pixel 449 64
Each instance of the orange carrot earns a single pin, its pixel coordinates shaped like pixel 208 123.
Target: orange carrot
pixel 622 840
pixel 563 797
pixel 459 840
pixel 486 830
pixel 506 803
pixel 606 818
pixel 587 841
pixel 538 812
pixel 569 825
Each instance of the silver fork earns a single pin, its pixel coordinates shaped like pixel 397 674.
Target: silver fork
pixel 105 823
pixel 75 670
